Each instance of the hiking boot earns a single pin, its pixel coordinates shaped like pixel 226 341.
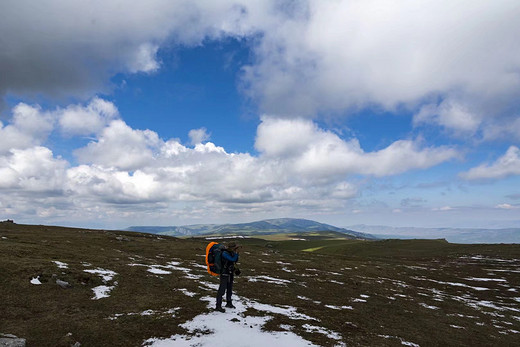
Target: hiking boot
pixel 220 309
pixel 230 305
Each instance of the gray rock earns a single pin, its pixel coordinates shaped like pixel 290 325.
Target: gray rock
pixel 9 340
pixel 63 284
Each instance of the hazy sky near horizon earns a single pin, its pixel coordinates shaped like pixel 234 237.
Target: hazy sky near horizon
pixel 170 112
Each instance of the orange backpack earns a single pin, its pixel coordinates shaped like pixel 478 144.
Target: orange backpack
pixel 214 258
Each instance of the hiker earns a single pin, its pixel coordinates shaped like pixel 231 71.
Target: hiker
pixel 229 258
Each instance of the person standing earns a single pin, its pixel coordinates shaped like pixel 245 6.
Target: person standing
pixel 229 259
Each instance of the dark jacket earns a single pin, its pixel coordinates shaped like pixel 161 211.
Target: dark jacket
pixel 229 259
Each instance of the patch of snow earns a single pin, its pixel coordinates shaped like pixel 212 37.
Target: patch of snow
pixel 503 270
pixel 478 304
pixel 456 326
pixel 36 280
pixel 461 315
pixel 359 300
pixel 282 263
pixel 486 279
pixel 339 307
pixel 428 306
pixel 455 284
pixel 364 296
pixel 210 285
pixel 335 273
pixel 337 282
pixel 246 330
pixel 158 271
pixel 106 275
pixel 187 292
pixel 326 332
pixel 268 279
pixel 61 265
pixel 403 342
pixel 193 277
pixel 145 313
pixel 101 292
pixel 4 238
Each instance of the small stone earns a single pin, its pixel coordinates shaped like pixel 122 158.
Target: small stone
pixel 63 284
pixel 10 340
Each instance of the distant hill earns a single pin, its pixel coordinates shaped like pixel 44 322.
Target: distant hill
pixel 268 226
pixel 454 235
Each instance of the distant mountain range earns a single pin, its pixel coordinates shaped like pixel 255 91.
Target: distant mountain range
pixel 453 235
pixel 269 226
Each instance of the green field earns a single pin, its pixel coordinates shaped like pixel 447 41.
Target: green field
pixel 371 293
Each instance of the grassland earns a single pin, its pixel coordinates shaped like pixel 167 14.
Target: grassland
pixel 371 293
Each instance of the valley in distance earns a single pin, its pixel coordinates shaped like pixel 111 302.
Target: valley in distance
pixel 302 283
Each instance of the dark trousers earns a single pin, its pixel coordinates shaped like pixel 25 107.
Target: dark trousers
pixel 226 286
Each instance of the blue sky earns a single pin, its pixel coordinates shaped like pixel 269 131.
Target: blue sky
pixel 176 112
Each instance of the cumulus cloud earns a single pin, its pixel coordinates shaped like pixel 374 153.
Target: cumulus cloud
pixel 32 170
pixel 120 146
pixel 507 206
pixel 449 114
pixel 145 59
pixel 126 169
pixel 318 153
pixel 86 120
pixel 506 165
pixel 198 136
pixel 29 126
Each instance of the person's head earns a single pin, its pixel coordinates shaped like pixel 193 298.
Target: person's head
pixel 232 246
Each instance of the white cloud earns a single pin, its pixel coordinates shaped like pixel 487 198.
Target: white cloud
pixel 451 115
pixel 314 152
pixel 124 170
pixel 443 208
pixel 199 135
pixel 145 59
pixel 507 206
pixel 79 120
pixel 506 128
pixel 347 54
pixel 507 165
pixel 120 146
pixel 29 126
pixel 32 170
